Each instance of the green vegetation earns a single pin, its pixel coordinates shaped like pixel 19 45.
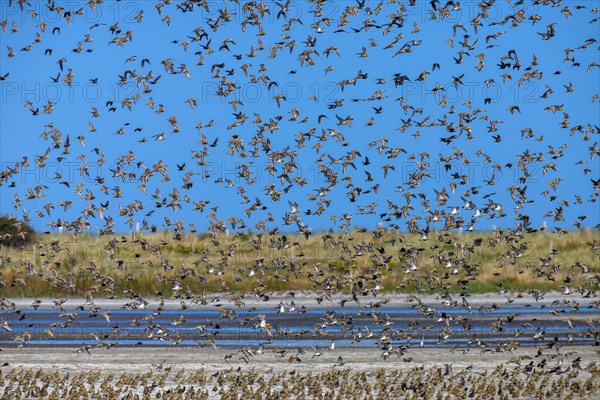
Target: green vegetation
pixel 15 233
pixel 61 265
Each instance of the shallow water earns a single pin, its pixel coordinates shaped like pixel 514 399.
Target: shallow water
pixel 406 326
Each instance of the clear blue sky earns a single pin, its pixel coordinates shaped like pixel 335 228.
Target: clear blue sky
pixel 96 80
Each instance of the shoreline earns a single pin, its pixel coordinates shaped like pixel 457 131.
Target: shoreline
pixel 141 359
pixel 309 299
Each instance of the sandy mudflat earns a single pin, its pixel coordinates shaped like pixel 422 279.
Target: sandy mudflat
pixel 180 373
pixel 308 299
pixel 140 359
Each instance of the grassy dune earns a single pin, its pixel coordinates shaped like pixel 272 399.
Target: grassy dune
pixel 59 265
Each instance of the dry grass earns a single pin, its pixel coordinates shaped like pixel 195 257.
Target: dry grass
pixel 150 263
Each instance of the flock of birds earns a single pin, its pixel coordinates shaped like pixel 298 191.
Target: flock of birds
pixel 337 161
pixel 417 383
pixel 325 139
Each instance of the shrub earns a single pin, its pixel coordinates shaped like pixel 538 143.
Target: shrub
pixel 15 233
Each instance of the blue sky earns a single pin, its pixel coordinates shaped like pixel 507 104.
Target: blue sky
pixel 96 81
